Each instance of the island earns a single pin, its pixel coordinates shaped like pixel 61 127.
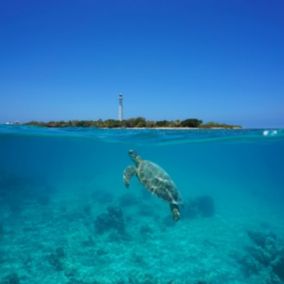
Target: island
pixel 138 122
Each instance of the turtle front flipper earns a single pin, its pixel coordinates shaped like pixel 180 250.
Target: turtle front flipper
pixel 128 173
pixel 175 211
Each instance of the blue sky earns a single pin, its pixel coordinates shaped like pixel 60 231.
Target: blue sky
pixel 214 60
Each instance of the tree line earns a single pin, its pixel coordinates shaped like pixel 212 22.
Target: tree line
pixel 138 122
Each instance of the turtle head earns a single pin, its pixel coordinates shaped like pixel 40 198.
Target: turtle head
pixel 134 156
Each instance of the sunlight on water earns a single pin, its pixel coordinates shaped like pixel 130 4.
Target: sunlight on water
pixel 66 217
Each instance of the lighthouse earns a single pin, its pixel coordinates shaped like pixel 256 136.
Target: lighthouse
pixel 120 107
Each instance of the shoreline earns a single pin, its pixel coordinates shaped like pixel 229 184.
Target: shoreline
pixel 129 128
pixel 169 128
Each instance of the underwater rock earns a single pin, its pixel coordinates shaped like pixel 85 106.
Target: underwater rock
pixel 2 257
pixel 101 251
pixel 115 236
pixel 278 267
pixel 257 237
pixel 43 196
pixel 88 242
pixel 87 210
pixel 260 255
pixel 16 191
pixel 145 230
pixel 143 279
pixel 43 199
pixel 1 231
pixel 205 205
pixel 265 252
pixel 146 210
pixel 266 246
pixel 113 219
pixel 56 259
pixel 12 278
pixel 202 206
pixel 76 281
pixel 101 196
pixel 138 259
pixel 128 199
pixel 260 238
pixel 248 265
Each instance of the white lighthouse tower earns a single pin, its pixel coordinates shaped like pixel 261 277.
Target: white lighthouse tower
pixel 120 107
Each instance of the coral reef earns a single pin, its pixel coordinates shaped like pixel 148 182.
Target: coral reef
pixel 16 191
pixel 202 206
pixel 43 196
pixel 266 252
pixel 143 279
pixel 128 199
pixel 12 278
pixel 56 259
pixel 278 267
pixel 1 230
pixel 145 230
pixel 112 220
pixel 102 196
pixel 262 239
pixel 76 281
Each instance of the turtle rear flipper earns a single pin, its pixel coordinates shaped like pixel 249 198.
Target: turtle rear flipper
pixel 128 173
pixel 175 211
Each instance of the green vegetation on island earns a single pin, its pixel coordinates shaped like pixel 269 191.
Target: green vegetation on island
pixel 138 122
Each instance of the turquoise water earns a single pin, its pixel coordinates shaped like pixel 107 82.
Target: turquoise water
pixel 66 217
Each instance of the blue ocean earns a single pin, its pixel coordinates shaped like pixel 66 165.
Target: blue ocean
pixel 66 216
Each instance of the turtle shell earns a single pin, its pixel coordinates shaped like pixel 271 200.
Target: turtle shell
pixel 157 181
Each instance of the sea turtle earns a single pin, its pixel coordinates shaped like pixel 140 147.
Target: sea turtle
pixel 155 179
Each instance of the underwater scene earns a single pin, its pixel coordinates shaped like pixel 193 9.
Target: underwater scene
pixel 211 212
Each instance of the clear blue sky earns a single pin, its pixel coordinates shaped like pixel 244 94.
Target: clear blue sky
pixel 214 60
